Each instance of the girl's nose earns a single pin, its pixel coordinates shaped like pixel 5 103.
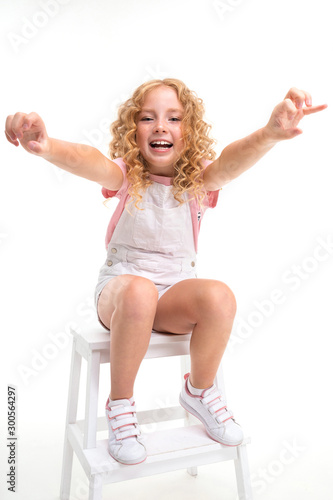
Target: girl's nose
pixel 160 127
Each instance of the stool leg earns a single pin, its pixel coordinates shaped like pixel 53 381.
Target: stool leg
pixel 73 396
pixel 95 488
pixel 90 423
pixel 243 474
pixel 241 463
pixel 185 364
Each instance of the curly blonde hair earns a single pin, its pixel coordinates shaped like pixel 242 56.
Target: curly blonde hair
pixel 197 143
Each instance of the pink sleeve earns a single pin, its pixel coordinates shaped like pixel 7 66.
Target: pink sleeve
pixel 212 196
pixel 107 193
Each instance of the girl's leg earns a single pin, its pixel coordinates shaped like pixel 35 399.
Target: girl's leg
pixel 127 305
pixel 207 308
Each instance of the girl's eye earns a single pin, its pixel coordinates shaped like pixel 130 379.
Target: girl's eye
pixel 149 119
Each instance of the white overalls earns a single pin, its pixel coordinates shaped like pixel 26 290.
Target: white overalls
pixel 156 243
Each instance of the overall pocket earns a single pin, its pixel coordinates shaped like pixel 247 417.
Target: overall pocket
pixel 159 229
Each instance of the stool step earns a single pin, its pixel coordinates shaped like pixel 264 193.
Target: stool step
pixel 160 345
pixel 145 417
pixel 182 448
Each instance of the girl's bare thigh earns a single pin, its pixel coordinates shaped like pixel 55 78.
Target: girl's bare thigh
pixel 179 309
pixel 191 301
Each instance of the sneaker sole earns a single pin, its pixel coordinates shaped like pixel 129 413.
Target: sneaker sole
pixel 195 414
pixel 126 463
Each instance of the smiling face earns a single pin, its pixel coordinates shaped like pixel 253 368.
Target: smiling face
pixel 159 134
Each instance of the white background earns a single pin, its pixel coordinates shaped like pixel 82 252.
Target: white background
pixel 74 66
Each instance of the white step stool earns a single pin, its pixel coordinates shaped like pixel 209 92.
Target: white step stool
pixel 168 450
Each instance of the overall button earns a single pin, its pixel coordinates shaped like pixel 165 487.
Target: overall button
pixel 110 262
pixel 192 263
pixel 113 250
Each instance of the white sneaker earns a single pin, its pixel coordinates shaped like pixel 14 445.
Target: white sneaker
pixel 125 444
pixel 210 407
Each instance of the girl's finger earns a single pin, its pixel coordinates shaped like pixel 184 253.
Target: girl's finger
pixel 308 98
pixel 293 132
pixel 314 109
pixel 34 146
pixel 17 124
pixel 304 97
pixel 10 136
pixel 9 139
pixel 8 128
pixel 299 101
pixel 289 107
pixel 297 96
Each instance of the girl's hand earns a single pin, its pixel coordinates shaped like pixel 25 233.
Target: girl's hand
pixel 288 113
pixel 29 131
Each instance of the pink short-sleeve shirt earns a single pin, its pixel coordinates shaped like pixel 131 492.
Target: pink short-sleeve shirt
pixel 197 213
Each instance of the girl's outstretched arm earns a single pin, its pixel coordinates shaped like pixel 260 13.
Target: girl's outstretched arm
pixel 79 159
pixel 240 155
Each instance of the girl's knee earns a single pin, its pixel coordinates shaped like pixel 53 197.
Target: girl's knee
pixel 138 295
pixel 219 298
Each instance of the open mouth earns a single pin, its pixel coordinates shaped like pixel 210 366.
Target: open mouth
pixel 161 145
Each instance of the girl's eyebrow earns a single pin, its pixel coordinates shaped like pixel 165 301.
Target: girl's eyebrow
pixel 170 110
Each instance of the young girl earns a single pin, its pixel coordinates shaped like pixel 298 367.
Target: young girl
pixel 164 172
